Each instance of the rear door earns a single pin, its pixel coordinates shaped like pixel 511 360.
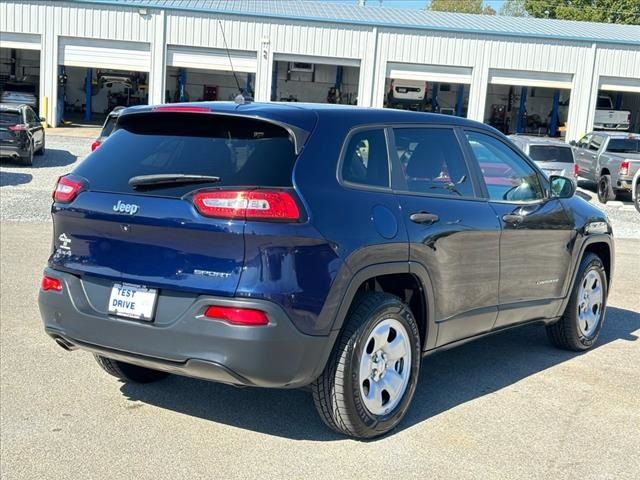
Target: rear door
pixel 537 234
pixel 453 233
pixel 154 235
pixel 35 128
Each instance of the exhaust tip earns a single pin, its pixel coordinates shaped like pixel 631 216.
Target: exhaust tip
pixel 64 344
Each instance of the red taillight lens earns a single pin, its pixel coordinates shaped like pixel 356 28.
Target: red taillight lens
pixel 66 190
pixel 237 316
pixel 95 145
pixel 624 167
pixel 18 128
pixel 576 170
pixel 250 205
pixel 50 283
pixel 182 108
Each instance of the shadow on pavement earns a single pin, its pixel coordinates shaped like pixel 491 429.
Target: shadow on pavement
pixel 448 379
pixel 11 178
pixel 54 158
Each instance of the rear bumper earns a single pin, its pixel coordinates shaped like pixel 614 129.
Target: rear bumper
pixel 276 355
pixel 12 151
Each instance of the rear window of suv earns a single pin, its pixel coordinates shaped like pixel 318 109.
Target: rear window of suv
pixel 550 153
pixel 241 151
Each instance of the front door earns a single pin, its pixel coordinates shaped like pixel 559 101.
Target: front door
pixel 453 233
pixel 537 234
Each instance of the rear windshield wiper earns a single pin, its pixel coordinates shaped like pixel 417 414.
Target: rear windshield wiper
pixel 170 179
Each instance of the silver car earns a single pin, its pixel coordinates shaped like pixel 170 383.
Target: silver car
pixel 552 155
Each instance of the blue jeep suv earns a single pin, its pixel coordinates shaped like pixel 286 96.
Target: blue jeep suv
pixel 280 245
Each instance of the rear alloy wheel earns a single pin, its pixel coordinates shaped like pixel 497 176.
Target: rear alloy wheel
pixel 370 378
pixel 27 160
pixel 636 202
pixel 580 325
pixel 128 372
pixel 605 190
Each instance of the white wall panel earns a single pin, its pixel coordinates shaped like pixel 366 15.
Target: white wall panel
pixel 211 59
pixel 84 52
pixel 24 41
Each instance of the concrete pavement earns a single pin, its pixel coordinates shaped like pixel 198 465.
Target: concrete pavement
pixel 508 406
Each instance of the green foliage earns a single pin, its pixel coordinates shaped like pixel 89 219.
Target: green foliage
pixel 513 8
pixel 608 11
pixel 461 6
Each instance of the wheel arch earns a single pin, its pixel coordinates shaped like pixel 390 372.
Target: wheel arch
pixel 406 280
pixel 601 245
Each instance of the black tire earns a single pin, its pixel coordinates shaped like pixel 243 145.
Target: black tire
pixel 128 372
pixel 566 333
pixel 27 160
pixel 336 392
pixel 40 151
pixel 605 189
pixel 636 202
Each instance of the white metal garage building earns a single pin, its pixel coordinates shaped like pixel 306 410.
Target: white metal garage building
pixel 371 44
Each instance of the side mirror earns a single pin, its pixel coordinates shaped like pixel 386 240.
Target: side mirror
pixel 561 187
pixel 43 119
pixel 573 143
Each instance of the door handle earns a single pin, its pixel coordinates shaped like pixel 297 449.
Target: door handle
pixel 424 217
pixel 512 218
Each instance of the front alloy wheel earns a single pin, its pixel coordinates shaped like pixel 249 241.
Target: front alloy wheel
pixel 582 320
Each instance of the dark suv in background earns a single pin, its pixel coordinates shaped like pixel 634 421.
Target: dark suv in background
pixel 279 245
pixel 21 133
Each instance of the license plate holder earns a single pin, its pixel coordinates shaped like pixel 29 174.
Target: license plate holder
pixel 133 301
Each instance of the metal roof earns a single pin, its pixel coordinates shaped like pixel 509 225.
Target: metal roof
pixel 350 13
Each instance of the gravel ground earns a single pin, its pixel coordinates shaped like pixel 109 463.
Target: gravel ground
pixel 25 193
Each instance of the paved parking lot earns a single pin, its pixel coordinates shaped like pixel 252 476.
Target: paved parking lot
pixel 509 406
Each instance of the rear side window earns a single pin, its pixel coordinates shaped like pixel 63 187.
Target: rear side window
pixel 550 153
pixel 432 161
pixel 241 151
pixel 108 126
pixel 366 160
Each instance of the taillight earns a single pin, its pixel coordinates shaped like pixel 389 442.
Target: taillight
pixel 95 145
pixel 249 205
pixel 576 170
pixel 237 316
pixel 66 189
pixel 624 167
pixel 49 283
pixel 18 128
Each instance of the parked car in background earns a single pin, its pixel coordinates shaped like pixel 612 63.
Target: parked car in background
pixel 607 118
pixel 20 93
pixel 107 127
pixel 635 190
pixel 21 133
pixel 609 158
pixel 407 93
pixel 553 156
pixel 284 246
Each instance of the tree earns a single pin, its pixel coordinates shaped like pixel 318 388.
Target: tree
pixel 461 6
pixel 608 11
pixel 513 8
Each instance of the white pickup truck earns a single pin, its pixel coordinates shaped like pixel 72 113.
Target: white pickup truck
pixel 607 118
